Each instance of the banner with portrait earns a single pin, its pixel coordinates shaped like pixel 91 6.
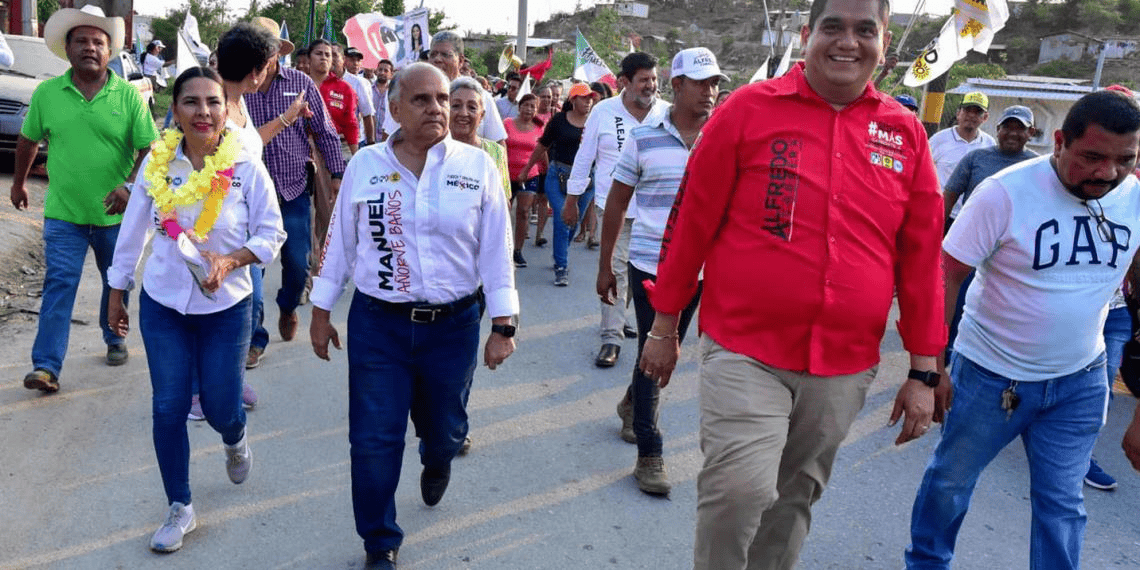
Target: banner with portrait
pixel 399 39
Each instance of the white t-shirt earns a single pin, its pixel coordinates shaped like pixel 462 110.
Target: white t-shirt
pixel 948 148
pixel 1037 306
pixel 364 105
pixel 603 138
pixel 151 64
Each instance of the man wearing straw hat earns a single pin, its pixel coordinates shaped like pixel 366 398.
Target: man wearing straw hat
pixel 286 157
pixel 100 130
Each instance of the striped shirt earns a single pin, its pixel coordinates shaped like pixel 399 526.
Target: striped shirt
pixel 652 162
pixel 285 156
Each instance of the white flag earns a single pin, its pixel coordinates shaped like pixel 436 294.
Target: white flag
pixel 588 65
pixel 762 73
pixel 971 27
pixel 786 61
pixel 525 88
pixel 937 58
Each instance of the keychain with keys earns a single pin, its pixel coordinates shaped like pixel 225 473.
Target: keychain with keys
pixel 1010 399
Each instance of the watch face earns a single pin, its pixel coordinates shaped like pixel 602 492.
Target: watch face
pixel 505 330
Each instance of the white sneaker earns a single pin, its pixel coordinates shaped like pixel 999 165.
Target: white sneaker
pixel 179 522
pixel 238 460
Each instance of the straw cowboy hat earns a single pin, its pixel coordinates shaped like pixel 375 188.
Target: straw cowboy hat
pixel 275 29
pixel 64 20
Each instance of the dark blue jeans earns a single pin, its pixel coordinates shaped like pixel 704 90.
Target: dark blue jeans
pixel 295 215
pixel 183 350
pixel 396 368
pixel 65 248
pixel 643 391
pixel 958 305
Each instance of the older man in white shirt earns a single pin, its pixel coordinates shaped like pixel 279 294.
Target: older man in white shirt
pixel 420 227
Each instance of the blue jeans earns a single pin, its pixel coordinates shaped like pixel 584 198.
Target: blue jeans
pixel 1057 420
pixel 183 350
pixel 643 391
pixel 295 216
pixel 65 247
pixel 556 195
pixel 396 368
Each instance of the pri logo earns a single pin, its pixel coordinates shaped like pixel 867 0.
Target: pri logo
pixel 884 137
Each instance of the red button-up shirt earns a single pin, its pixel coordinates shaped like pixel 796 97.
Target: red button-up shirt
pixel 805 220
pixel 340 100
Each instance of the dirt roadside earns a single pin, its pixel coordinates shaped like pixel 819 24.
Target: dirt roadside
pixel 21 256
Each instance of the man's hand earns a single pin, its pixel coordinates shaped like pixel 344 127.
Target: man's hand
pixel 607 286
pixel 320 332
pixel 1131 443
pixel 19 196
pixel 497 349
pixel 299 108
pixel 570 211
pixel 116 200
pixel 117 317
pixel 916 400
pixel 659 358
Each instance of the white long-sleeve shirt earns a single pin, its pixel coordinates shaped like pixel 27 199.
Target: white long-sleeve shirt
pixel 364 104
pixel 431 239
pixel 603 138
pixel 250 218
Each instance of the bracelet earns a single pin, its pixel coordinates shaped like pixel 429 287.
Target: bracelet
pixel 281 118
pixel 660 337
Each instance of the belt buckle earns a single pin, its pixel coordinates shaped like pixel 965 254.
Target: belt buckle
pixel 428 315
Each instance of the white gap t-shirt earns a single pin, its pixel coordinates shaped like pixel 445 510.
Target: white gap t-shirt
pixel 1037 307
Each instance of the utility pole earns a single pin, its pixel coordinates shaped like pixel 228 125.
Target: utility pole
pixel 520 42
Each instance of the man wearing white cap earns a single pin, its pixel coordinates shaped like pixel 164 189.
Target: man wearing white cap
pixel 100 130
pixel 650 167
pixel 603 138
pixel 152 61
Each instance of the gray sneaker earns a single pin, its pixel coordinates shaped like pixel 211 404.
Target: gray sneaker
pixel 238 460
pixel 651 476
pixel 179 522
pixel 561 276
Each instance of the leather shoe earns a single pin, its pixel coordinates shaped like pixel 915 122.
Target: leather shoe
pixel 607 356
pixel 381 559
pixel 433 483
pixel 629 331
pixel 287 325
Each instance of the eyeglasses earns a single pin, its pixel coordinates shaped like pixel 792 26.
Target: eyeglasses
pixel 1104 226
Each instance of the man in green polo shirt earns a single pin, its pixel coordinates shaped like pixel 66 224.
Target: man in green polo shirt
pixel 99 129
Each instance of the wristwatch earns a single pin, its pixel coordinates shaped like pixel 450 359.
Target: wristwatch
pixel 928 377
pixel 507 331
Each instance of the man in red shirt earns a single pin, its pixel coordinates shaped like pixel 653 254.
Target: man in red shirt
pixel 340 98
pixel 808 200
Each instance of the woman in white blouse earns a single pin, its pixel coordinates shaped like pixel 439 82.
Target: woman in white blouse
pixel 215 211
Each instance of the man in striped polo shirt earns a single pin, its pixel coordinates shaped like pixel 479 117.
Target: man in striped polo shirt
pixel 651 165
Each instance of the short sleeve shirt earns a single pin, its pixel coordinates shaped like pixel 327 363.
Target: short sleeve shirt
pixel 948 148
pixel 980 164
pixel 93 144
pixel 561 138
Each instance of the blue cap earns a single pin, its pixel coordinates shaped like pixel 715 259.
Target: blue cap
pixel 907 101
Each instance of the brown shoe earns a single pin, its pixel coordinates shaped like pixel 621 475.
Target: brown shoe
pixel 256 353
pixel 651 476
pixel 287 325
pixel 42 380
pixel 625 412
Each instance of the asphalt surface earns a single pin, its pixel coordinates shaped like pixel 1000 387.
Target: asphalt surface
pixel 547 485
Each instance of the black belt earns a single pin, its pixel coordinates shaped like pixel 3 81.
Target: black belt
pixel 423 313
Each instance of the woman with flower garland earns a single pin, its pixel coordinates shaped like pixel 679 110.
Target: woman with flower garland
pixel 215 211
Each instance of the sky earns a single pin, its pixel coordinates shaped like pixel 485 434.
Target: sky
pixel 500 16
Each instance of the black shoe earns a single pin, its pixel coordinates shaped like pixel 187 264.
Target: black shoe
pixel 629 331
pixel 433 483
pixel 381 559
pixel 519 260
pixel 607 356
pixel 117 354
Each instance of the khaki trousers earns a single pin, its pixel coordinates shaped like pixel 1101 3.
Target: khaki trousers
pixel 769 437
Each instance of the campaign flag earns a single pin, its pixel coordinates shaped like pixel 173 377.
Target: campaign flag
pixel 762 73
pixel 285 60
pixel 525 88
pixel 538 70
pixel 786 61
pixel 971 27
pixel 328 33
pixel 383 37
pixel 190 52
pixel 588 65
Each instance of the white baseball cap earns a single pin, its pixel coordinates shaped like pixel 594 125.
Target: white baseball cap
pixel 696 63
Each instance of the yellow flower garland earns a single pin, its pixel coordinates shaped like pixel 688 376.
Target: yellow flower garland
pixel 209 185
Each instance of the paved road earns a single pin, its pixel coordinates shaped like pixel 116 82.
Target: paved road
pixel 547 485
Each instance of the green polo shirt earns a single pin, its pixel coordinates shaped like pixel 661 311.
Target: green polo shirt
pixel 92 145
